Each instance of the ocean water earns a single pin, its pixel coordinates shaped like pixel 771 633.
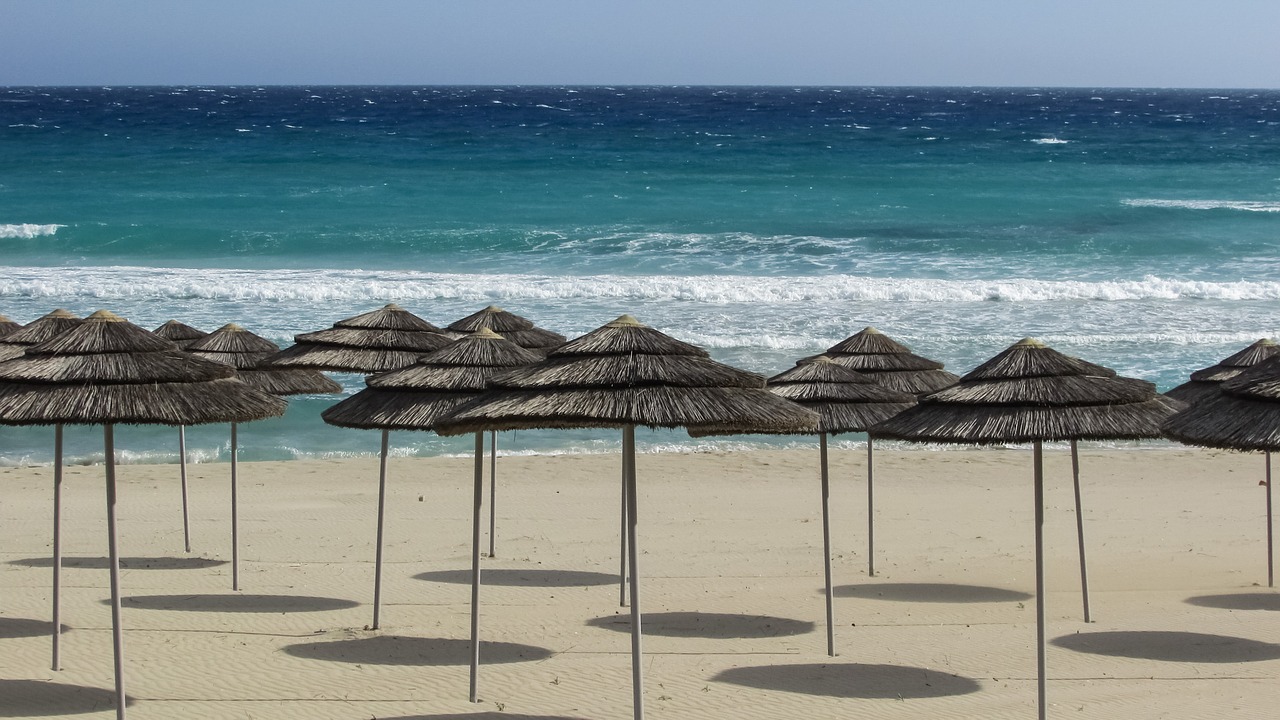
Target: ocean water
pixel 1139 229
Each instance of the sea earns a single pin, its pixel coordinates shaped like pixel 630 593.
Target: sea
pixel 1136 228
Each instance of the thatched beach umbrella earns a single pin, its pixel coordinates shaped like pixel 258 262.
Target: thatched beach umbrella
pixel 13 345
pixel 622 375
pixel 384 339
pixel 1204 382
pixel 416 397
pixel 182 335
pixel 107 371
pixel 846 401
pixel 524 333
pixel 1242 414
pixel 1032 393
pixel 7 326
pixel 245 351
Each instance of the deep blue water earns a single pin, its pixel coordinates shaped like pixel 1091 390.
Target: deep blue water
pixel 1135 228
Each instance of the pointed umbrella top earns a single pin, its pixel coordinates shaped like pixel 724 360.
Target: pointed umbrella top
pixel 7 326
pixel 1238 414
pixel 385 339
pixel 1203 382
pixel 37 331
pixel 107 370
pixel 179 333
pixel 890 363
pixel 517 329
pixel 246 352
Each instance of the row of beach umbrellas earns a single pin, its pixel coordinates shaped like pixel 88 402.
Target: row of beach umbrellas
pixel 104 371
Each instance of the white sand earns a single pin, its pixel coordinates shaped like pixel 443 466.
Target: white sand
pixel 1185 626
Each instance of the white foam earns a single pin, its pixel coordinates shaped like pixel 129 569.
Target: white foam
pixel 1246 205
pixel 1050 141
pixel 27 231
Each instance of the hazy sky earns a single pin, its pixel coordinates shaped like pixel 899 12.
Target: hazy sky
pixel 1164 43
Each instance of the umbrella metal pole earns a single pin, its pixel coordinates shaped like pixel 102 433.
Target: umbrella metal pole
pixel 637 680
pixel 1039 519
pixel 117 636
pixel 493 489
pixel 622 533
pixel 382 503
pixel 57 545
pixel 475 562
pixel 182 473
pixel 871 509
pixel 1271 567
pixel 1084 572
pixel 235 518
pixel 826 543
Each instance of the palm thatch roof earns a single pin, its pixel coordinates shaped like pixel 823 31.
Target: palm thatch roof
pixel 7 326
pixel 179 333
pixel 1031 392
pixel 385 339
pixel 1242 413
pixel 1203 383
pixel 626 373
pixel 246 351
pixel 108 370
pixel 845 400
pixel 414 398
pixel 518 330
pixel 890 363
pixel 37 331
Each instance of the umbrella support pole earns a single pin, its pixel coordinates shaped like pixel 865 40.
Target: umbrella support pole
pixel 1271 566
pixel 637 679
pixel 826 543
pixel 493 491
pixel 117 636
pixel 182 474
pixel 57 545
pixel 382 504
pixel 622 533
pixel 871 508
pixel 1039 521
pixel 1084 572
pixel 477 501
pixel 235 517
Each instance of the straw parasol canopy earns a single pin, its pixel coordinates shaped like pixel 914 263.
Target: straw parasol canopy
pixel 37 331
pixel 518 330
pixel 1032 393
pixel 106 370
pixel 245 351
pixel 7 326
pixel 620 375
pixel 1203 383
pixel 1243 413
pixel 890 363
pixel 179 333
pixel 384 339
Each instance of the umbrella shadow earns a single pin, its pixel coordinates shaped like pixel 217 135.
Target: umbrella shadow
pixel 131 563
pixel 237 603
pixel 930 592
pixel 522 578
pixel 1238 601
pixel 851 680
pixel 26 627
pixel 38 698
pixel 1170 646
pixel 392 650
pixel 706 625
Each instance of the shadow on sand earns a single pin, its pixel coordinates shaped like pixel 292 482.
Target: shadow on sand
pixel 1238 601
pixel 131 563
pixel 38 698
pixel 851 680
pixel 1170 646
pixel 483 716
pixel 930 592
pixel 25 627
pixel 706 625
pixel 522 578
pixel 392 650
pixel 233 603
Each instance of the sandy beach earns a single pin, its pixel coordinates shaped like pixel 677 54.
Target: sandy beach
pixel 1184 625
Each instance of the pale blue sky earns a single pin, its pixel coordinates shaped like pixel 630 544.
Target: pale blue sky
pixel 1124 43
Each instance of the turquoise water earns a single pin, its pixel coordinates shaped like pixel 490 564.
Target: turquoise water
pixel 1135 228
